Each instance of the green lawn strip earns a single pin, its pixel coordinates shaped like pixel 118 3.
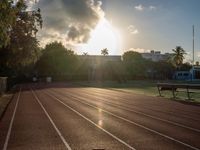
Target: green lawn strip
pixel 150 91
pixel 4 100
pixel 144 87
pixel 182 96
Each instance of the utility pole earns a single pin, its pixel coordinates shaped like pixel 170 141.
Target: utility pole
pixel 193 45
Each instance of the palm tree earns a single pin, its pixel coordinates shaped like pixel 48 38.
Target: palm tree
pixel 85 53
pixel 104 51
pixel 178 56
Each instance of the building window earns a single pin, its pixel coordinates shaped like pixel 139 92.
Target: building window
pixel 179 74
pixel 197 74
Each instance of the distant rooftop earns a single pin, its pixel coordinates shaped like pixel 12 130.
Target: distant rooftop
pixel 101 58
pixel 152 55
pixel 156 56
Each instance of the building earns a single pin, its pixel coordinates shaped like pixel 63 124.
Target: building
pixel 156 56
pixel 182 75
pixel 195 73
pixel 192 75
pixel 99 59
pixel 95 71
pixel 152 55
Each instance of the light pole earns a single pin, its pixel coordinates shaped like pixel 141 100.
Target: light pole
pixel 193 45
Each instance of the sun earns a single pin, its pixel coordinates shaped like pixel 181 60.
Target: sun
pixel 103 36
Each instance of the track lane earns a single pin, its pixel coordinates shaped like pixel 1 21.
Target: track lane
pixel 130 108
pixel 31 129
pixel 82 135
pixel 52 122
pixel 5 121
pixel 11 122
pixel 79 133
pixel 116 127
pixel 99 101
pixel 157 127
pixel 187 121
pixel 174 106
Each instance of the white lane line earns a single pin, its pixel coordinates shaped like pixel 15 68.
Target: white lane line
pixel 54 125
pixel 139 125
pixel 11 122
pixel 185 115
pixel 129 93
pixel 144 114
pixel 115 137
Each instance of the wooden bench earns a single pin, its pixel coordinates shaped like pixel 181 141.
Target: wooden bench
pixel 174 88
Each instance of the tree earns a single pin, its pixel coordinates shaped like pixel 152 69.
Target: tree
pixel 186 66
pixel 114 71
pixel 56 60
pixel 178 56
pixel 7 20
pixel 104 52
pixel 131 56
pixel 134 64
pixel 164 70
pixel 85 53
pixel 23 46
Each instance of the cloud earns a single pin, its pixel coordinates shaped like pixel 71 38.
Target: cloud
pixel 69 21
pixel 188 57
pixel 139 7
pixel 30 3
pixel 132 29
pixel 198 54
pixel 152 8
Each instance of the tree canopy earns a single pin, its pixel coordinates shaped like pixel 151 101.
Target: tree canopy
pixel 104 52
pixel 134 64
pixel 19 43
pixel 178 56
pixel 56 60
pixel 131 56
pixel 8 15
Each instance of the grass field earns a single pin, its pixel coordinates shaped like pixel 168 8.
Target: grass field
pixel 143 87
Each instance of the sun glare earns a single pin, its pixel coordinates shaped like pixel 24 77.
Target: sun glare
pixel 103 36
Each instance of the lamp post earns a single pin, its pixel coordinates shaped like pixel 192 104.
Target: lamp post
pixel 193 45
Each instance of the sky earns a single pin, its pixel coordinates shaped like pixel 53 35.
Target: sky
pixel 121 25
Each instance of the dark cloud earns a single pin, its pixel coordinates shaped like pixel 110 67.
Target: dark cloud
pixel 78 34
pixel 73 20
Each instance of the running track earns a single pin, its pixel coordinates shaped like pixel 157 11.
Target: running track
pixel 62 117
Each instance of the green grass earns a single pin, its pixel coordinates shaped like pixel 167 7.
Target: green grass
pixel 145 87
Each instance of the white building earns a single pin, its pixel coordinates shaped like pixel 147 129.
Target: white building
pixel 192 75
pixel 156 56
pixel 195 72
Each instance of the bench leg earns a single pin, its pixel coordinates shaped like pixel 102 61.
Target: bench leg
pixel 159 91
pixel 188 94
pixel 173 92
